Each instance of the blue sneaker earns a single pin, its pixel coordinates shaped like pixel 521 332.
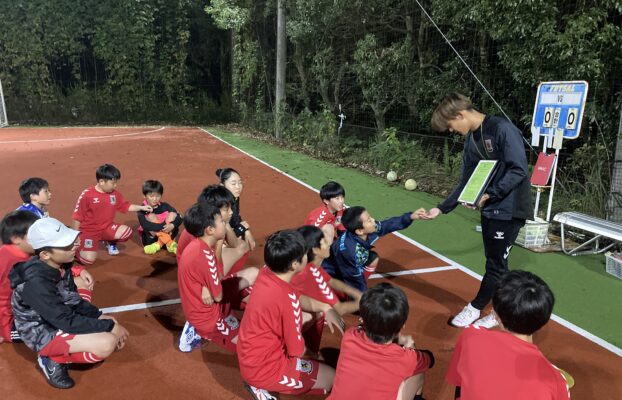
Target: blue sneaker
pixel 112 248
pixel 189 339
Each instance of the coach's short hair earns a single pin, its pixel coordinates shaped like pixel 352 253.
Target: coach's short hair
pixel 448 109
pixel 351 218
pixel 107 172
pixel 153 186
pixel 384 310
pixel 31 186
pixel 331 190
pixel 217 196
pixel 16 224
pixel 523 302
pixel 199 217
pixel 282 249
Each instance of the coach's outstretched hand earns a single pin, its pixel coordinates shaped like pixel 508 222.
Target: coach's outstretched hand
pixel 431 213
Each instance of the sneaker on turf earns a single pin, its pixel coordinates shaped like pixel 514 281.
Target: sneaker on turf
pixel 152 248
pixel 55 373
pixel 171 247
pixel 489 321
pixel 189 339
pixel 112 248
pixel 466 317
pixel 259 394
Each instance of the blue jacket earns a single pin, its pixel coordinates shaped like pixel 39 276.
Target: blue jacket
pixel 349 253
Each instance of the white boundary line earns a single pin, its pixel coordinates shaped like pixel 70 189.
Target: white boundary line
pixel 82 138
pixel 412 272
pixel 569 325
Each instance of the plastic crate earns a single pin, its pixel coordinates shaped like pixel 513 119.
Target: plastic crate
pixel 533 234
pixel 613 264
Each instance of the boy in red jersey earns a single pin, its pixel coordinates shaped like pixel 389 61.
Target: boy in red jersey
pixel 207 297
pixel 270 344
pixel 316 283
pixel 376 361
pixel 94 215
pixel 16 249
pixel 328 216
pixel 505 364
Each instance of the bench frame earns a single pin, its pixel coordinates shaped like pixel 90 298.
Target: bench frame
pixel 607 230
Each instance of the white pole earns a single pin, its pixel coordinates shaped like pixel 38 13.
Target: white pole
pixel 548 211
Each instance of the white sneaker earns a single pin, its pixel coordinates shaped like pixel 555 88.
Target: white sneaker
pixel 112 248
pixel 466 317
pixel 189 339
pixel 488 322
pixel 259 394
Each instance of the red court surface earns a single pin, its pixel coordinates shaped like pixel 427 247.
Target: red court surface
pixel 184 160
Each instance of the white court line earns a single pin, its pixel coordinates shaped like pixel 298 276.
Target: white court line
pixel 82 138
pixel 578 330
pixel 141 306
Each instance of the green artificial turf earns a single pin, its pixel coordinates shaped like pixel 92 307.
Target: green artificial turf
pixel 585 294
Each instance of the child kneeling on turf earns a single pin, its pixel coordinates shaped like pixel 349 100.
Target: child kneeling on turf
pixel 159 227
pixel 208 298
pixel 50 316
pixel 351 257
pixel 271 344
pixel 376 361
pixel 505 364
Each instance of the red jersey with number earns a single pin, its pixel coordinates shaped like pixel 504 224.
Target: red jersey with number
pixel 271 330
pixel 491 365
pixel 322 216
pixel 368 370
pixel 184 240
pixel 199 267
pixel 9 256
pixel 96 210
pixel 313 282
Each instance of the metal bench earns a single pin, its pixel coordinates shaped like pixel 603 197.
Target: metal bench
pixel 600 228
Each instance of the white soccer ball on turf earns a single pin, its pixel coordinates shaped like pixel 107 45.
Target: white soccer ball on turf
pixel 392 176
pixel 410 184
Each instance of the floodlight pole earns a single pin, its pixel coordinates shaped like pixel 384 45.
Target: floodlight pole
pixel 281 58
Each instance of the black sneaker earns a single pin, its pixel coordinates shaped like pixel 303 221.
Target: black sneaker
pixel 55 373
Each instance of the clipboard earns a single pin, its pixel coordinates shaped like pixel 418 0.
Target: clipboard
pixel 478 182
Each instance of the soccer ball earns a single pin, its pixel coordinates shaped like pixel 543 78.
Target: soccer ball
pixel 392 176
pixel 410 184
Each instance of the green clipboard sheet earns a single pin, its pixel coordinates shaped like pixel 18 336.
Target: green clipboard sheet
pixel 477 183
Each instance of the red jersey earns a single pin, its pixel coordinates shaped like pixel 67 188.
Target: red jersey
pixel 95 210
pixel 322 216
pixel 184 240
pixel 9 256
pixel 368 370
pixel 271 330
pixel 197 268
pixel 313 282
pixel 490 364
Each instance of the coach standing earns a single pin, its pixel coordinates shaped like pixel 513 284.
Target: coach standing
pixel 506 203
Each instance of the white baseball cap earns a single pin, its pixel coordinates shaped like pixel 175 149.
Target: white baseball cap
pixel 50 232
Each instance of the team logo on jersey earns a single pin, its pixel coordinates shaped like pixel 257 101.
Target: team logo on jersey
pixel 488 143
pixel 232 321
pixel 113 199
pixel 305 366
pixel 88 243
pixel 95 200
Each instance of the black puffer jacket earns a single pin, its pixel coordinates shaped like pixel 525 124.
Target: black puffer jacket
pixel 510 191
pixel 44 302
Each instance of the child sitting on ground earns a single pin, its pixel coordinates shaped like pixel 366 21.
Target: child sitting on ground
pixel 270 343
pixel 36 196
pixel 328 216
pixel 207 297
pixel 94 215
pixel 159 227
pixel 16 249
pixel 50 316
pixel 505 364
pixel 351 257
pixel 376 361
